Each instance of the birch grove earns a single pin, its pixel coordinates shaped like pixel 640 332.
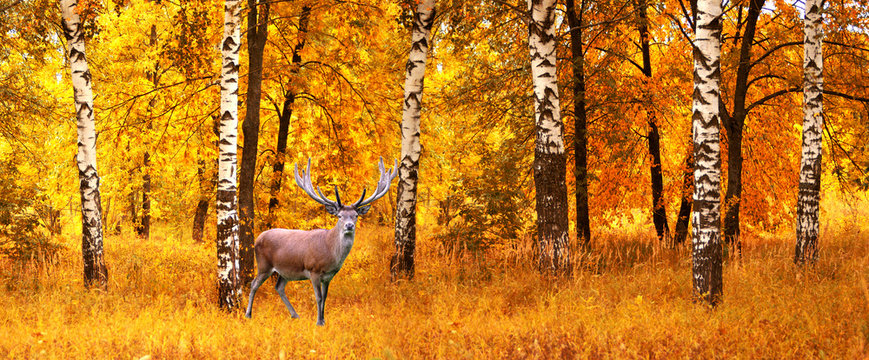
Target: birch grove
pixel 229 286
pixel 553 252
pixel 707 153
pixel 95 272
pixel 813 125
pixel 402 264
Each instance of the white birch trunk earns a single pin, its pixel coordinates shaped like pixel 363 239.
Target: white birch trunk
pixel 95 272
pixel 402 264
pixel 707 153
pixel 813 125
pixel 229 287
pixel 549 159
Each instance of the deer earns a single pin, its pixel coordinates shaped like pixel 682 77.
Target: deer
pixel 315 255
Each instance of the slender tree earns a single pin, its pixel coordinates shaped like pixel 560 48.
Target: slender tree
pixel 206 186
pixel 229 286
pixel 144 228
pixel 95 273
pixel 553 251
pixel 684 215
pixel 734 123
pixel 201 206
pixel 707 267
pixel 659 213
pixel 580 140
pixel 402 264
pixel 257 33
pixel 284 115
pixel 813 125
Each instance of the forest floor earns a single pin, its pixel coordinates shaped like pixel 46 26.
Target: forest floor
pixel 631 300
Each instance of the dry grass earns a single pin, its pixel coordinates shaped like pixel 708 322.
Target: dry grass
pixel 630 300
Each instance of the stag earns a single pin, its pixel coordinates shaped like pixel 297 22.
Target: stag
pixel 313 254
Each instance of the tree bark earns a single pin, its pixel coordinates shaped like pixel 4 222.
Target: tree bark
pixel 201 207
pixel 229 287
pixel 553 251
pixel 707 267
pixel 257 33
pixel 402 263
pixel 284 118
pixel 95 272
pixel 735 124
pixel 659 213
pixel 144 229
pixel 813 125
pixel 206 188
pixel 681 232
pixel 580 141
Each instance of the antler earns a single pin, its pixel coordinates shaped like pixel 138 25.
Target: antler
pixel 304 182
pixel 382 185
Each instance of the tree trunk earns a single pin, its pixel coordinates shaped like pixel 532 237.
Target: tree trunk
pixel 580 140
pixel 257 32
pixel 688 175
pixel 145 229
pixel 229 288
pixel 687 191
pixel 206 187
pixel 202 206
pixel 659 213
pixel 95 273
pixel 553 251
pixel 284 118
pixel 735 125
pixel 733 196
pixel 402 263
pixel 813 125
pixel 707 267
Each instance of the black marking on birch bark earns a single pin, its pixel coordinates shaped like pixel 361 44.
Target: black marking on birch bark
pixel 75 55
pixel 68 32
pixel 229 43
pixel 87 77
pixel 420 45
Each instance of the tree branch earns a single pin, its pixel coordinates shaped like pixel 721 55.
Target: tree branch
pixel 770 97
pixel 774 49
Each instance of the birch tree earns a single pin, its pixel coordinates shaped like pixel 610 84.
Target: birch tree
pixel 229 287
pixel 706 219
pixel 553 253
pixel 95 272
pixel 813 125
pixel 402 264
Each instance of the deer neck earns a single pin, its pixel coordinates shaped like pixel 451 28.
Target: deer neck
pixel 342 242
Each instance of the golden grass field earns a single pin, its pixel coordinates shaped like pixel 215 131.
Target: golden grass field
pixel 630 299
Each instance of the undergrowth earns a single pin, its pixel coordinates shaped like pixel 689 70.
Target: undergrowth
pixel 628 298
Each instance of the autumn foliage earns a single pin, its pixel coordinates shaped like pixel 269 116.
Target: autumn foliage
pixel 476 292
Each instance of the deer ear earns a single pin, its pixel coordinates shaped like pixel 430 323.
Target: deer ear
pixel 332 209
pixel 363 210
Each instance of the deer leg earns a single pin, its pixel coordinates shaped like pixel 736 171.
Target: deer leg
pixel 254 285
pixel 279 287
pixel 320 297
pixel 325 292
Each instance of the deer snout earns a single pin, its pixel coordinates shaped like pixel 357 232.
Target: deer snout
pixel 349 227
